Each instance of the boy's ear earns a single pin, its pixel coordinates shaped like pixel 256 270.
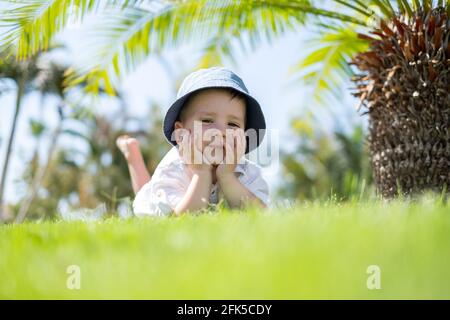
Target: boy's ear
pixel 178 125
pixel 178 131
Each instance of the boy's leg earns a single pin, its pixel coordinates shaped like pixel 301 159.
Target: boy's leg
pixel 138 172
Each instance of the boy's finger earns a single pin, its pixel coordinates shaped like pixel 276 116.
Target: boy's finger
pixel 240 149
pixel 197 149
pixel 237 148
pixel 183 138
pixel 229 150
pixel 186 147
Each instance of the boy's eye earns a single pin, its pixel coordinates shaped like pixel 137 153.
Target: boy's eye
pixel 234 124
pixel 207 121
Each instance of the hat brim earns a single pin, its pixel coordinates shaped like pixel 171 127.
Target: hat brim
pixel 254 118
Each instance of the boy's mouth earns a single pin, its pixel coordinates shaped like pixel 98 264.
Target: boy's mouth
pixel 216 143
pixel 216 146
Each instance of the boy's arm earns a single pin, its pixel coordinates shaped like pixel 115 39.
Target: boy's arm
pixel 197 193
pixel 235 192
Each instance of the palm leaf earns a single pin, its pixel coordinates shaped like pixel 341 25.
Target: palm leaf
pixel 131 33
pixel 325 66
pixel 32 24
pixel 138 33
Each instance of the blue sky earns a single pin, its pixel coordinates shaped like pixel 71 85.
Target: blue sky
pixel 265 72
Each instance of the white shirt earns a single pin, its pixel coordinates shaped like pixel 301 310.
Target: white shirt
pixel 170 182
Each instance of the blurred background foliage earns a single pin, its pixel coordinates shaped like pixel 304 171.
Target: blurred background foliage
pixel 93 172
pixel 326 165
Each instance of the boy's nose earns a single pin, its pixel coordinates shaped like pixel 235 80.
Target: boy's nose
pixel 221 128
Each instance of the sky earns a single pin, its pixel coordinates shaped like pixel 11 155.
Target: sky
pixel 265 72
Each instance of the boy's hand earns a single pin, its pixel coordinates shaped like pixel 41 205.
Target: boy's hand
pixel 191 153
pixel 234 151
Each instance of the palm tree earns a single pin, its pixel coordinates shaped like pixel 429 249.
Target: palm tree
pixel 41 74
pixel 400 55
pixel 399 48
pixel 404 85
pixel 21 72
pixel 49 80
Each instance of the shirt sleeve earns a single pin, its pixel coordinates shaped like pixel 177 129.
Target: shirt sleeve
pixel 256 184
pixel 160 196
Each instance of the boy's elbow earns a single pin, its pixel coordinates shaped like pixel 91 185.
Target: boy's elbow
pixel 178 211
pixel 257 202
pixel 260 204
pixel 182 210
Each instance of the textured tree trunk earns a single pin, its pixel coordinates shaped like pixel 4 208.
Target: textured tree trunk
pixel 20 92
pixel 405 87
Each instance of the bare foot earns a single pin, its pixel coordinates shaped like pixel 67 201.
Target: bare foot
pixel 128 145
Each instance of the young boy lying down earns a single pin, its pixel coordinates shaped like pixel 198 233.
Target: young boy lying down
pixel 212 124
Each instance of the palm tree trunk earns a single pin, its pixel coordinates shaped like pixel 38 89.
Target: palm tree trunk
pixel 20 92
pixel 40 174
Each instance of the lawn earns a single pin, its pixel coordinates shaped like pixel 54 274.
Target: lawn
pixel 307 251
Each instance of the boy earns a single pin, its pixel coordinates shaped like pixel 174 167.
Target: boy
pixel 207 125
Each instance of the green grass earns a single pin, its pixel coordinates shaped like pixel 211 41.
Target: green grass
pixel 306 252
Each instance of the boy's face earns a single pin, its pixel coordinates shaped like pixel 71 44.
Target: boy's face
pixel 214 112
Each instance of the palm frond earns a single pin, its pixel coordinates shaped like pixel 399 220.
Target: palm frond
pixel 30 25
pixel 326 65
pixel 216 49
pixel 301 6
pixel 128 31
pixel 138 33
pixel 356 6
